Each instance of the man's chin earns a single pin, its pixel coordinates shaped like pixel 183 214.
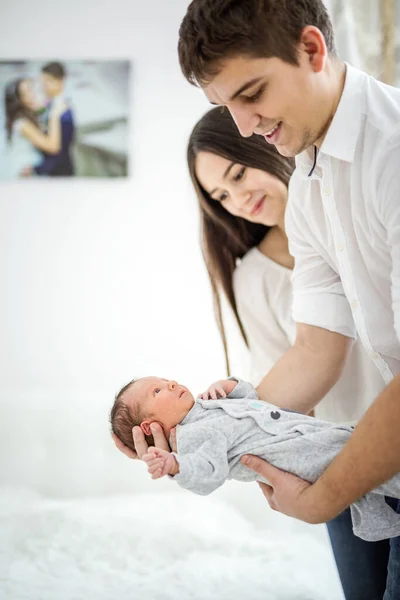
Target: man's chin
pixel 286 151
pixel 290 151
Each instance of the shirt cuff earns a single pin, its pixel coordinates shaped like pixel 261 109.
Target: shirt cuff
pixel 329 311
pixel 185 469
pixel 241 390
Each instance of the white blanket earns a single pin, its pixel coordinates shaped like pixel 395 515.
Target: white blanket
pixel 160 546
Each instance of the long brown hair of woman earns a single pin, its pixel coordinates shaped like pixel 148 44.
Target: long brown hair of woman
pixel 224 237
pixel 14 107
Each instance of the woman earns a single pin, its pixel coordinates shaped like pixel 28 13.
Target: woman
pixel 24 136
pixel 242 187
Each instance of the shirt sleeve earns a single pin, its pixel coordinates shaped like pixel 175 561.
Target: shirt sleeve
pixel 205 467
pixel 318 294
pixel 243 389
pixel 388 193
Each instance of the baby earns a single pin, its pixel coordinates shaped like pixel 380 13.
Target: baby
pixel 228 421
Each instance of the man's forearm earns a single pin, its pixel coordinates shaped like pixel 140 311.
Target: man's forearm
pixel 306 372
pixel 370 457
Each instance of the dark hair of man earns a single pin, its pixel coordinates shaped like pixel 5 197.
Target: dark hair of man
pixel 55 69
pixel 15 108
pixel 224 237
pixel 124 418
pixel 213 30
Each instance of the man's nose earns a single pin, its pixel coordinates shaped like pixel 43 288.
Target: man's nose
pixel 246 121
pixel 172 385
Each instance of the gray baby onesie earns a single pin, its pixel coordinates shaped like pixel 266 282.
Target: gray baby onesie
pixel 215 434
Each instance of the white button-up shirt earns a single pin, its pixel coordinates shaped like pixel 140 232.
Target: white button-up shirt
pixel 343 223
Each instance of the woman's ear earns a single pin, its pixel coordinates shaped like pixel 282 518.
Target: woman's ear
pixel 145 426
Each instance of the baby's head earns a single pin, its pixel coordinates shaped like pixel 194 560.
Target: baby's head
pixel 148 400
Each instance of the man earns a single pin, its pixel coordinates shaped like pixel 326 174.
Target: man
pixel 273 64
pixel 60 164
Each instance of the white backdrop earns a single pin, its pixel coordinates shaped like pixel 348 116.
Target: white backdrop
pixel 101 280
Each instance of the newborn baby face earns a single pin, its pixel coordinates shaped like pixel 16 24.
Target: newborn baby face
pixel 161 400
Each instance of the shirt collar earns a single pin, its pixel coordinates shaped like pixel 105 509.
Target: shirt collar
pixel 341 138
pixel 191 414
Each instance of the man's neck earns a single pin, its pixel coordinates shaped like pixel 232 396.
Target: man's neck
pixel 59 96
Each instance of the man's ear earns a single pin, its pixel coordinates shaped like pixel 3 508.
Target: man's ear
pixel 145 426
pixel 312 42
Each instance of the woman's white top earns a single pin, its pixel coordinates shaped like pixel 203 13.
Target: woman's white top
pixel 17 154
pixel 263 292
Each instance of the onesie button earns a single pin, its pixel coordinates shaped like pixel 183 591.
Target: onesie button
pixel 275 415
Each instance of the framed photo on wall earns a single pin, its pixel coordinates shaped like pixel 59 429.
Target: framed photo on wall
pixel 67 118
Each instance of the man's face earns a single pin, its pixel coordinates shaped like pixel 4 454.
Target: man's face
pixel 51 85
pixel 270 97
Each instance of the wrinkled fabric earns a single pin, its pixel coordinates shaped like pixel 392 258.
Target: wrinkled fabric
pixel 215 434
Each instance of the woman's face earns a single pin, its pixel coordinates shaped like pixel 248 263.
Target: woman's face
pixel 251 194
pixel 26 94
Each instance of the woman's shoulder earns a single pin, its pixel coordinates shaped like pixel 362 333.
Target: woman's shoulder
pixel 253 258
pixel 23 127
pixel 249 265
pixel 19 124
pixel 255 262
pixel 258 277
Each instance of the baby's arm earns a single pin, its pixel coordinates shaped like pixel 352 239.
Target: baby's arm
pixel 200 467
pixel 219 389
pixel 160 462
pixel 202 458
pixel 232 387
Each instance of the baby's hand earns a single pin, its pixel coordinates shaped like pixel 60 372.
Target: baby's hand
pixel 219 389
pixel 160 462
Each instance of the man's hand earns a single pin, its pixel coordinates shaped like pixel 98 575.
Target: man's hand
pixel 287 493
pixel 57 109
pixel 123 448
pixel 219 389
pixel 160 462
pixel 141 445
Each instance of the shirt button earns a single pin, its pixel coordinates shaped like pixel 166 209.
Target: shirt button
pixel 375 355
pixel 340 248
pixel 354 304
pixel 326 190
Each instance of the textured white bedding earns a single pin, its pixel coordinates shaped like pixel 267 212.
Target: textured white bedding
pixel 156 546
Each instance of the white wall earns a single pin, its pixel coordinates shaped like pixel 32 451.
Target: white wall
pixel 101 280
